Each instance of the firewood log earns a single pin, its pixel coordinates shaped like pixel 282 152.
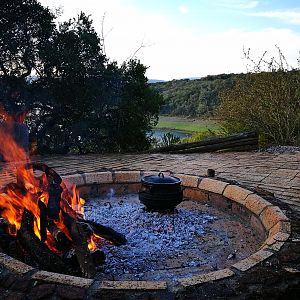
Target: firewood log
pixel 80 243
pixel 40 253
pixel 43 220
pixel 62 241
pixel 53 207
pixel 106 232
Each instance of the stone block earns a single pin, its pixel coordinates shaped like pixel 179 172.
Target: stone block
pixel 282 226
pixel 77 179
pixel 281 236
pixel 219 201
pixel 42 291
pixel 99 177
pixel 127 176
pixel 133 285
pixel 271 216
pixel 241 211
pixel 256 204
pixel 156 172
pixel 236 193
pixel 133 187
pixel 14 265
pixel 207 277
pixel 188 180
pixel 212 185
pixel 70 292
pixel 195 194
pixel 257 225
pixel 51 277
pixel 276 246
pixel 252 260
pixel 88 190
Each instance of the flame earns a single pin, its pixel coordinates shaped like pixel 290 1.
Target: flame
pixel 93 240
pixel 30 190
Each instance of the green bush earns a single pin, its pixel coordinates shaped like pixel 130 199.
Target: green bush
pixel 199 136
pixel 268 102
pixel 169 139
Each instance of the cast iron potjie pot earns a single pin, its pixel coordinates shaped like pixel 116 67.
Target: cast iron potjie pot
pixel 160 193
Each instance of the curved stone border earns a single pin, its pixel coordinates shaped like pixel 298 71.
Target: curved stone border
pixel 276 226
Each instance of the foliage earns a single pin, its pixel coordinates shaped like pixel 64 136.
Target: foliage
pixel 268 102
pixel 199 136
pixel 169 139
pixel 25 30
pixel 79 100
pixel 197 97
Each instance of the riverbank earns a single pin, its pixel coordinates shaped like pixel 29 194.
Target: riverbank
pixel 185 124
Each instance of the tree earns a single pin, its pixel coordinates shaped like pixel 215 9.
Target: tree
pixel 26 28
pixel 79 100
pixel 137 112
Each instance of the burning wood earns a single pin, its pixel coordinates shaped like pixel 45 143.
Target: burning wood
pixel 47 219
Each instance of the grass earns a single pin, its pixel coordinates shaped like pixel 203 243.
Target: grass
pixel 187 124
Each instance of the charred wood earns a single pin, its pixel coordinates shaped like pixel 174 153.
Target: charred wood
pixel 80 243
pixel 50 173
pixel 5 241
pixel 53 207
pixel 70 258
pixel 4 226
pixel 39 252
pixel 16 250
pixel 98 257
pixel 83 254
pixel 15 187
pixel 62 241
pixel 107 233
pixel 43 220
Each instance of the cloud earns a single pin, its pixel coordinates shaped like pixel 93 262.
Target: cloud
pixel 175 51
pixel 183 9
pixel 291 16
pixel 238 4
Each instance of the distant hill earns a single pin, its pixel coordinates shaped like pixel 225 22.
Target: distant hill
pixel 155 80
pixel 192 96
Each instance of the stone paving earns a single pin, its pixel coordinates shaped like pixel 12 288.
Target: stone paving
pixel 277 173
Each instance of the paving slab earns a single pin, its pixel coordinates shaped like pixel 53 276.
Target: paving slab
pixel 278 173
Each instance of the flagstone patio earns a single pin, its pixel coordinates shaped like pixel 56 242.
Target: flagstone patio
pixel 275 173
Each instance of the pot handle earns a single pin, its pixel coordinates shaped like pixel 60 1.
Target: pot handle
pixel 161 174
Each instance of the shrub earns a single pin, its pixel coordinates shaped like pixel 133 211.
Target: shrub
pixel 268 102
pixel 199 136
pixel 169 139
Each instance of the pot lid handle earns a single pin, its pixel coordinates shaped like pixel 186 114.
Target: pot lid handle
pixel 161 174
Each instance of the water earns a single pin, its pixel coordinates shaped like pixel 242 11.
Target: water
pixel 159 133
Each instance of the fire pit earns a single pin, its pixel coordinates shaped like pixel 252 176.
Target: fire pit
pixel 266 221
pixel 216 235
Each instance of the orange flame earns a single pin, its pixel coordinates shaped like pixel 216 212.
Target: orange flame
pixel 29 190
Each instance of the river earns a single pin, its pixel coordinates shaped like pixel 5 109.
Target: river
pixel 158 133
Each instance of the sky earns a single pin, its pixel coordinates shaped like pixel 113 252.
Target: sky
pixel 179 39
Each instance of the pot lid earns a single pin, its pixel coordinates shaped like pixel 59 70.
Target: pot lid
pixel 161 179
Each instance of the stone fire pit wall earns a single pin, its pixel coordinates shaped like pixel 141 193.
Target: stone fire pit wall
pixel 267 219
